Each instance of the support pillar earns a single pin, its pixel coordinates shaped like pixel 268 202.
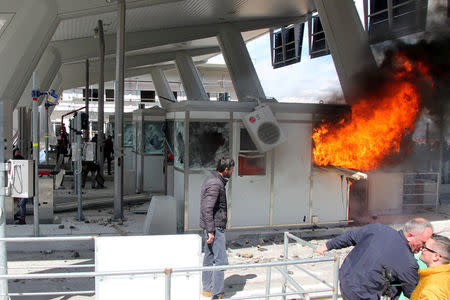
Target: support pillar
pixel 347 40
pixel 190 78
pixel 119 104
pixel 3 257
pixel 88 95
pixel 162 87
pixel 101 98
pixel 240 66
pixel 36 160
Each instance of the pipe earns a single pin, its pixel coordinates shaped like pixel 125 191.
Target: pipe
pixel 36 159
pixel 118 131
pixel 101 98
pixel 88 94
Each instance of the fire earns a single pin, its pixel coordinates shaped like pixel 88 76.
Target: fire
pixel 377 124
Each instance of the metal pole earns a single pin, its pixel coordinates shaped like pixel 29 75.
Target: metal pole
pixel 36 159
pixel 78 168
pixel 286 245
pixel 3 258
pixel 88 94
pixel 268 277
pixel 336 278
pixel 118 132
pixel 46 131
pixel 168 273
pixel 441 158
pixel 101 98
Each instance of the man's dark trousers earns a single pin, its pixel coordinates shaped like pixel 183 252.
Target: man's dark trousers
pixel 215 254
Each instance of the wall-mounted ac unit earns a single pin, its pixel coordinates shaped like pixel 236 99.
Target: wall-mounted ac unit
pixel 264 129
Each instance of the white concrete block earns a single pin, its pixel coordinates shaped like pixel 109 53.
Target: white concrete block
pixel 147 253
pixel 161 216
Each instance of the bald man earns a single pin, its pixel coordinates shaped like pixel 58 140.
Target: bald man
pixel 378 247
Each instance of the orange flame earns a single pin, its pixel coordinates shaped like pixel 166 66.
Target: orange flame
pixel 376 128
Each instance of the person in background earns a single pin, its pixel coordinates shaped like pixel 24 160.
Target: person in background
pixel 213 221
pixel 22 201
pixel 380 249
pixel 434 281
pixel 108 150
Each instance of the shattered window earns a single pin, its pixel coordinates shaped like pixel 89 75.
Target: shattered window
pixel 154 137
pixel 208 141
pixel 129 135
pixel 179 145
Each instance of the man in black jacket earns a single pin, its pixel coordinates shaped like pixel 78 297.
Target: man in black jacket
pixel 379 247
pixel 213 220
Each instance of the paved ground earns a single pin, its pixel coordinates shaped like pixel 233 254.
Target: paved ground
pixel 253 246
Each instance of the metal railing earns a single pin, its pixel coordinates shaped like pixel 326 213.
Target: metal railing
pixel 281 266
pixel 421 189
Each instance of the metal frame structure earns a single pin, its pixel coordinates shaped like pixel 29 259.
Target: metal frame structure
pixel 281 266
pixel 423 194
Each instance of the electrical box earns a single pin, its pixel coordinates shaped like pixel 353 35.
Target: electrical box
pixel 264 129
pixel 89 151
pixel 21 178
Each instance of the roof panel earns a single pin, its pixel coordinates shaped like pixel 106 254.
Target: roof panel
pixel 183 13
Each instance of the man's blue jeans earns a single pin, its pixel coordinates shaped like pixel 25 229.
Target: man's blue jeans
pixel 215 254
pixel 23 208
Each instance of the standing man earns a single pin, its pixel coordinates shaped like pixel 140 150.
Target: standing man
pixel 108 150
pixel 380 248
pixel 434 281
pixel 213 221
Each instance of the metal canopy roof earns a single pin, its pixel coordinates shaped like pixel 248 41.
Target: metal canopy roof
pixel 170 14
pixel 168 18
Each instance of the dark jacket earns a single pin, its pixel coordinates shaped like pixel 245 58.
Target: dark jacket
pixel 213 202
pixel 376 245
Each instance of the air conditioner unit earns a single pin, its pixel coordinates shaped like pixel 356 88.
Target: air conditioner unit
pixel 264 129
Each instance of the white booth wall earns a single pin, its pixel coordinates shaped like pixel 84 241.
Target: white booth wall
pixel 281 197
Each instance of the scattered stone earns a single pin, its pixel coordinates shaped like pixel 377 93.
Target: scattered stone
pixel 262 249
pixel 120 222
pixel 246 255
pixel 76 254
pixel 56 220
pixel 99 210
pixel 256 261
pixel 48 251
pixel 61 226
pixel 71 227
pixel 290 272
pixel 86 221
pixel 16 280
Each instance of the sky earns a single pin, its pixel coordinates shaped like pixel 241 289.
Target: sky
pixel 310 80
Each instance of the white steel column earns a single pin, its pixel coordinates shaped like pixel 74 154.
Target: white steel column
pixel 118 105
pixel 190 78
pixel 240 66
pixel 347 40
pixel 162 87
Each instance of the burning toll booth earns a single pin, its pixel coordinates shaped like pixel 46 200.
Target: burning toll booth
pixel 271 186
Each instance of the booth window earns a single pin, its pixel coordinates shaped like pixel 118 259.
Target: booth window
pixel 251 161
pixel 208 142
